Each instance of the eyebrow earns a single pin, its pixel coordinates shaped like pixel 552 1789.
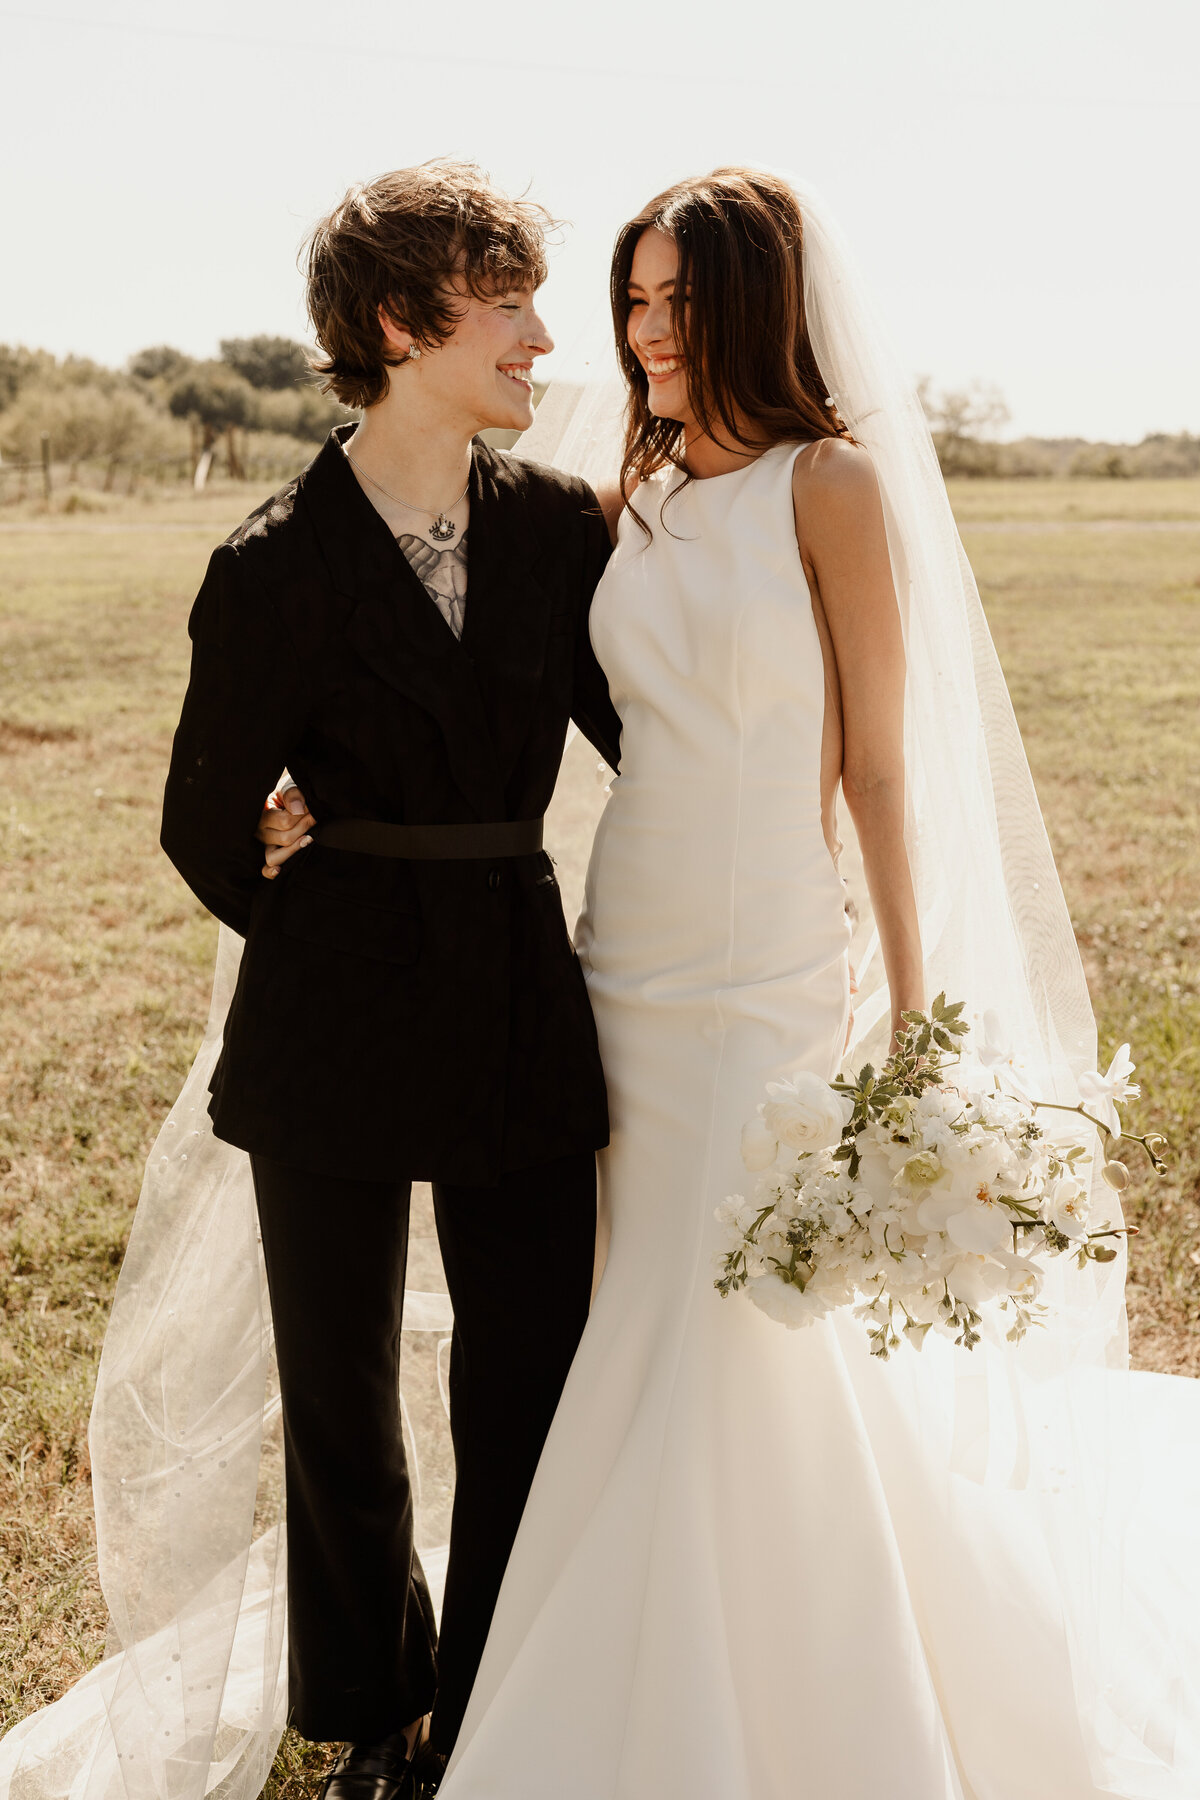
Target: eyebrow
pixel 637 286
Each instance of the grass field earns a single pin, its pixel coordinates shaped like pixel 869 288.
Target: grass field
pixel 1093 591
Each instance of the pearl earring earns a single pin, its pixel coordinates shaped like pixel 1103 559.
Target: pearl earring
pixel 414 353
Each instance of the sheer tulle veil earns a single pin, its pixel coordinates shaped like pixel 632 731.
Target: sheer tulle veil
pixel 191 1695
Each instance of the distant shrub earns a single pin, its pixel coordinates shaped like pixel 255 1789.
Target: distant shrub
pixel 273 455
pixel 304 412
pixel 1029 458
pixel 270 363
pixel 213 394
pixel 1161 455
pixel 85 420
pixel 161 362
pixel 19 367
pixel 1100 462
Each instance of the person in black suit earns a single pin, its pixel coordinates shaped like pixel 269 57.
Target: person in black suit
pixel 436 1024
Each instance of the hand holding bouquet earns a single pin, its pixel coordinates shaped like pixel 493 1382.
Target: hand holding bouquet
pixel 924 1205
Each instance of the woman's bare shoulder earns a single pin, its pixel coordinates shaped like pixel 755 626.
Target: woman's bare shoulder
pixel 834 471
pixel 835 492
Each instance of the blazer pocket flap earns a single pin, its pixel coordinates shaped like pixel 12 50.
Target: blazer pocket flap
pixel 337 922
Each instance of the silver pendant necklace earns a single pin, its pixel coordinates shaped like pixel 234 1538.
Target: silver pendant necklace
pixel 443 528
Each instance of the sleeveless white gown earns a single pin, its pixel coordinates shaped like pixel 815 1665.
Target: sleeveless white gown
pixel 736 1576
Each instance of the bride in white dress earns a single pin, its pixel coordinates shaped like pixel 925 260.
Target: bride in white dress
pixel 748 1567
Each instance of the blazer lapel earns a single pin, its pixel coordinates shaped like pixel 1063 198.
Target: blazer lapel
pixel 508 602
pixel 396 628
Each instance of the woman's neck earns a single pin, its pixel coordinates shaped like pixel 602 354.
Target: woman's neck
pixel 423 462
pixel 705 455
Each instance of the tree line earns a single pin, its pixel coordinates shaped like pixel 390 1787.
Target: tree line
pixel 258 402
pixel 965 423
pixel 257 397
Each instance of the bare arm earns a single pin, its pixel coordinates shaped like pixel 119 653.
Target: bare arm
pixel 843 544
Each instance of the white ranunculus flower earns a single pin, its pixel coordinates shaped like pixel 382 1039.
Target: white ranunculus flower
pixel 923 1170
pixel 805 1113
pixel 759 1143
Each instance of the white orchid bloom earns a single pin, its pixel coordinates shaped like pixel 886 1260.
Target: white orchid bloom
pixel 936 1209
pixel 977 1280
pixel 1000 1059
pixel 1065 1204
pixel 1100 1093
pixel 982 1226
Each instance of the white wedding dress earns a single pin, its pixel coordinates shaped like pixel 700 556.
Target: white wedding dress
pixel 746 1570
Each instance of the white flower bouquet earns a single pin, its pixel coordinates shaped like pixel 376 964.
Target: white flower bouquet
pixel 921 1204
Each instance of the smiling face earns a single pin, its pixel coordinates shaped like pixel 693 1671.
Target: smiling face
pixel 650 330
pixel 482 376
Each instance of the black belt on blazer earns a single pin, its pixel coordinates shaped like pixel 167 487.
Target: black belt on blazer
pixel 433 843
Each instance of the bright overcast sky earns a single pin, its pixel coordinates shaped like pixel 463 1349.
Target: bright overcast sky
pixel 1020 179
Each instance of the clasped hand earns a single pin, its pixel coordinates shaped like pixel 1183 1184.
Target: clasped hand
pixel 284 827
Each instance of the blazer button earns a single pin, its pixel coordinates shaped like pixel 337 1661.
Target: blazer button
pixel 494 879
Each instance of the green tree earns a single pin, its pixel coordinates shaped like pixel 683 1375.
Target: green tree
pixel 304 413
pixel 273 363
pixel 962 422
pixel 161 362
pixel 19 367
pixel 219 400
pixel 85 421
pixel 216 397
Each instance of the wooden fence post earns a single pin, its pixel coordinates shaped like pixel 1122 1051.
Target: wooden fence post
pixel 46 465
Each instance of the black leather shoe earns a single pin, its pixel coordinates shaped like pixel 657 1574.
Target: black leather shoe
pixel 380 1771
pixel 428 1767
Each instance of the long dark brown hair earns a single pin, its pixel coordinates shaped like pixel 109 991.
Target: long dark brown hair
pixel 737 314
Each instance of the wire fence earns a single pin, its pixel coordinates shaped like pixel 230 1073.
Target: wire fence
pixel 126 474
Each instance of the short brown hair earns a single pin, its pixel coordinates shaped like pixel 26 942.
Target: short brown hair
pixel 740 235
pixel 398 242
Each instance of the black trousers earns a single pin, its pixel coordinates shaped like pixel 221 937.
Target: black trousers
pixel 364 1657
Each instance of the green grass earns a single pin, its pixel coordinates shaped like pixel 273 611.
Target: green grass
pixel 105 957
pixel 1099 634
pixel 1066 501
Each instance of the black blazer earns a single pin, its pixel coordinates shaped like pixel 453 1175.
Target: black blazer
pixel 423 1020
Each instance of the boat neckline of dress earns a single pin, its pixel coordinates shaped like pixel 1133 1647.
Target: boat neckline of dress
pixel 703 480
